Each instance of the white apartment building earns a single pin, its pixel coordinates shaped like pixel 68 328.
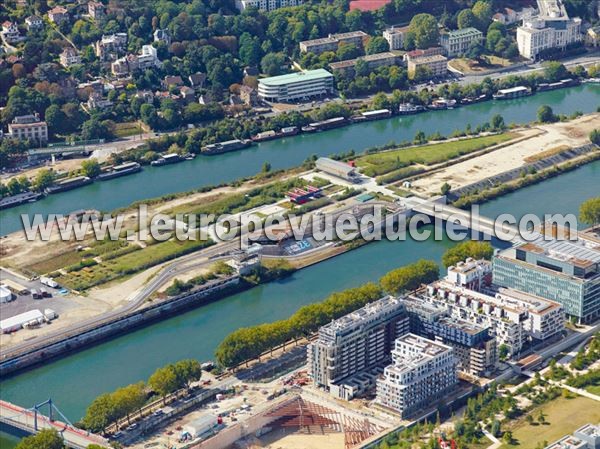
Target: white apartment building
pixel 552 28
pixel 437 65
pixel 395 36
pixel 296 86
pixel 28 127
pixel 421 373
pixel 69 57
pixel 34 22
pixel 10 32
pixel 266 5
pixel 147 59
pixel 350 347
pixel 457 42
pixel 331 42
pixel 513 317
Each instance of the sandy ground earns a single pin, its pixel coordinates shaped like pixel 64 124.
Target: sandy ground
pixel 282 439
pixel 572 134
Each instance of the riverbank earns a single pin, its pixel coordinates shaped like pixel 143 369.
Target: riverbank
pixel 292 151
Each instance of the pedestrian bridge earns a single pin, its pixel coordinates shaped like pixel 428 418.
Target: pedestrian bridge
pixel 32 421
pixel 438 209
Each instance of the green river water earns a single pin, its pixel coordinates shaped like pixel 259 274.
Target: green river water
pixel 74 381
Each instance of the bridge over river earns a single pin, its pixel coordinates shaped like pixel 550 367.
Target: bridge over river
pixel 32 421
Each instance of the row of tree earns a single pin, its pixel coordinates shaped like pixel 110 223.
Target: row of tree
pixel 108 408
pixel 47 439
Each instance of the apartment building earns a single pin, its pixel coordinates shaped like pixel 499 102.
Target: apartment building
pixel 421 373
pixel 331 42
pixel 567 272
pixel 457 42
pixel 109 47
pixel 34 22
pixel 513 317
pixel 28 127
pixel 348 349
pixel 266 5
pixel 420 53
pixel 96 10
pixel 69 57
pixel 474 347
pixel 10 32
pixel 436 65
pixel 130 63
pixel 58 14
pixel 296 86
pixel 372 62
pixel 395 36
pixel 551 28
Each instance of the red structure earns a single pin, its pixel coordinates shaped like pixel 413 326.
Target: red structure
pixel 368 5
pixel 301 196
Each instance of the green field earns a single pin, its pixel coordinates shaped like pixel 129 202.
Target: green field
pixel 386 161
pixel 127 129
pixel 563 416
pixel 594 389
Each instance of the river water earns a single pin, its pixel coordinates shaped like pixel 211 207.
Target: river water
pixel 72 382
pixel 292 151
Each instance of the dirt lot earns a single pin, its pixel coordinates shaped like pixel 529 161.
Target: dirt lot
pixel 572 134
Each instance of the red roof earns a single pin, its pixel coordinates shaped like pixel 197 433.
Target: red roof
pixel 368 5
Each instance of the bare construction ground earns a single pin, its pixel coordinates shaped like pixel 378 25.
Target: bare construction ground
pixel 554 136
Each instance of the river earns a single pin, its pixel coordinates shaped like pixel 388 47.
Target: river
pixel 292 151
pixel 72 382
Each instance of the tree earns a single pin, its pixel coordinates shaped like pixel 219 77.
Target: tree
pixel 45 439
pixel 555 71
pixel 529 419
pixel 410 277
pixel 266 167
pixel 545 114
pixel 589 211
pixel 495 429
pixel 187 371
pixel 541 417
pixel 272 63
pixel 100 413
pixel 164 380
pixel 420 138
pixel 482 10
pixel 497 122
pixel 595 137
pixel 424 29
pixel 476 250
pixel 55 119
pixel 95 129
pixel 466 19
pixel 503 351
pixel 507 437
pixel 445 188
pixel 44 178
pixel 148 115
pixel 377 44
pixel 129 399
pixel 347 51
pixel 90 168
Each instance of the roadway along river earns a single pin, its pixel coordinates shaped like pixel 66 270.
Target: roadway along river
pixel 292 151
pixel 72 382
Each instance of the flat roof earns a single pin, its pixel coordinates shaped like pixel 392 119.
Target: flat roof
pixel 21 319
pixel 464 32
pixel 306 75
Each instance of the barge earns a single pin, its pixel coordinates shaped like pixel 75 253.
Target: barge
pixel 224 147
pixel 167 159
pixel 68 184
pixel 441 104
pixel 120 170
pixel 409 108
pixel 18 199
pixel 331 123
pixel 513 92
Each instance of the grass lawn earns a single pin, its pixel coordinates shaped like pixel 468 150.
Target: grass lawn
pixel 127 129
pixel 594 389
pixel 386 161
pixel 563 416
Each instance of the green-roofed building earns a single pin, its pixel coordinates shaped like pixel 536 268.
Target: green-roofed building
pixel 296 86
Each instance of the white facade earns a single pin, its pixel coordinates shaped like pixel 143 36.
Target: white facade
pixel 28 127
pixel 457 42
pixel 296 86
pixel 10 32
pixel 69 57
pixel 422 371
pixel 267 5
pixel 552 28
pixel 16 322
pixel 395 37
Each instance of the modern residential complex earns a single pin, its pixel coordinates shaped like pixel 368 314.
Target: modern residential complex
pixel 552 28
pixel 457 42
pixel 331 42
pixel 395 36
pixel 422 371
pixel 266 5
pixel 436 65
pixel 354 344
pixel 567 272
pixel 28 127
pixel 513 317
pixel 296 86
pixel 371 61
